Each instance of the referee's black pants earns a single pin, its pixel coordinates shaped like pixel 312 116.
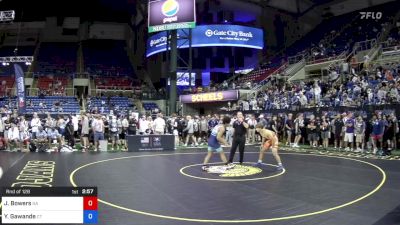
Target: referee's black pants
pixel 237 141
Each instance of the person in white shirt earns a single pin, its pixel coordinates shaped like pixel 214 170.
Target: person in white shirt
pixel 149 129
pixel 113 126
pixel 13 135
pixel 251 132
pixel 246 106
pixel 75 123
pixel 143 125
pixel 98 131
pixel 303 100
pixel 159 124
pixel 317 93
pixel 61 123
pixel 35 124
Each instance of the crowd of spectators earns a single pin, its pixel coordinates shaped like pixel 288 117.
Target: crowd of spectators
pixel 376 87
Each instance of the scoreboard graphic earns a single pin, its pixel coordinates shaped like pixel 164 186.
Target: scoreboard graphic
pixel 58 205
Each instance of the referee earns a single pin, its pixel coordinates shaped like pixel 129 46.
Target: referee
pixel 239 137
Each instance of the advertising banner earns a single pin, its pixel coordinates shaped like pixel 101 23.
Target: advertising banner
pixel 20 82
pixel 210 36
pixel 171 15
pixel 220 96
pixel 137 143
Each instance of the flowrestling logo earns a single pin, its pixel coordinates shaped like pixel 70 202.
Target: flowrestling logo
pixel 229 33
pixel 371 15
pixel 170 8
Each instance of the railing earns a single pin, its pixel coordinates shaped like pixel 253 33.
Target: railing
pixel 35 92
pixel 264 83
pixel 113 91
pixel 365 45
pixel 295 68
pixel 114 88
pixel 339 57
pixel 297 58
pixel 82 75
pixel 389 51
pixel 28 91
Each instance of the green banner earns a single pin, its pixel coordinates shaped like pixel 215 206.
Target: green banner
pixel 174 26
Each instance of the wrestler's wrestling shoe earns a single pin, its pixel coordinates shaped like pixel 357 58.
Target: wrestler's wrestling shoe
pixel 280 168
pixel 258 164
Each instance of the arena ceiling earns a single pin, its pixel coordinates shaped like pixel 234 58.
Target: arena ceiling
pixel 121 10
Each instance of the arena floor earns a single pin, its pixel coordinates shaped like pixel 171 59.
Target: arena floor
pixel 169 188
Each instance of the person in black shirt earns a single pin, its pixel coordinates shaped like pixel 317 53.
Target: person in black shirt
pixel 312 133
pixel 239 137
pixel 337 130
pixel 133 124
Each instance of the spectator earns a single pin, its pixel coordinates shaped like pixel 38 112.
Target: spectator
pixel 337 131
pixel 349 132
pixel 98 131
pixel 159 124
pixel 251 132
pixel 85 132
pixel 359 132
pixel 114 134
pixel 190 131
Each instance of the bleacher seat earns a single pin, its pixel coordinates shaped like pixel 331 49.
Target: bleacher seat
pixel 57 58
pixel 52 85
pixel 117 104
pixel 106 58
pixel 148 106
pixel 69 104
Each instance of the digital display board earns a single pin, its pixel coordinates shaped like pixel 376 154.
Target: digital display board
pixel 52 205
pixel 182 79
pixel 171 15
pixel 210 36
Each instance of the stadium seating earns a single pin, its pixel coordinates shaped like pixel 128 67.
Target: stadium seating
pixel 50 104
pixel 57 58
pixel 52 85
pixel 6 82
pixel 53 104
pixel 105 104
pixel 106 58
pixel 259 75
pixel 112 83
pixel 149 106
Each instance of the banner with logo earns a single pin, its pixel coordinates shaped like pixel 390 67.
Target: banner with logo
pixel 220 96
pixel 20 82
pixel 138 143
pixel 171 15
pixel 210 36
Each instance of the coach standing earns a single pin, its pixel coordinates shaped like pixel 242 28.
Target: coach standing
pixel 239 137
